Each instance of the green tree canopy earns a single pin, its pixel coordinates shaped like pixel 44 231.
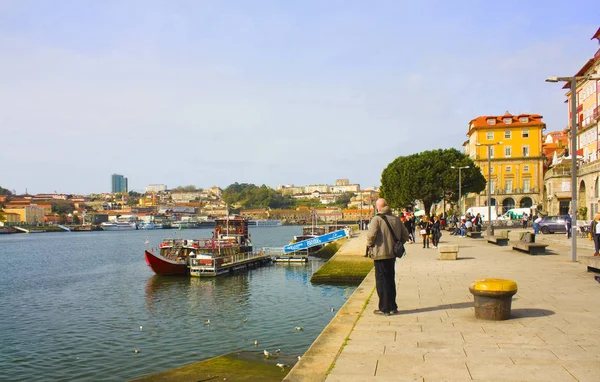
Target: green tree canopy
pixel 427 176
pixel 4 191
pixel 343 200
pixel 247 195
pixel 189 188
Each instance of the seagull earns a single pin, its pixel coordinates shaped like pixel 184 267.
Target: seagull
pixel 266 353
pixel 207 322
pixel 245 320
pixel 255 342
pixel 332 309
pixel 298 328
pixel 282 365
pixel 137 351
pixel 299 357
pixel 277 351
pixel 141 329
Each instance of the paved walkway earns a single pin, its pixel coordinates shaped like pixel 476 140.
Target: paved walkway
pixel 552 335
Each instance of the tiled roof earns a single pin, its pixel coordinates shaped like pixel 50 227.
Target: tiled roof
pixel 481 121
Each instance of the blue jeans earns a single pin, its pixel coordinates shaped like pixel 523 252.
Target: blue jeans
pixel 536 228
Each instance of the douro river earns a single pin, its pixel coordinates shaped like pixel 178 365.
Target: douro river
pixel 77 306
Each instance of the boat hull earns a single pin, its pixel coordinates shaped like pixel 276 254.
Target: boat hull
pixel 162 266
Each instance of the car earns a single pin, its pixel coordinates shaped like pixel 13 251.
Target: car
pixel 553 224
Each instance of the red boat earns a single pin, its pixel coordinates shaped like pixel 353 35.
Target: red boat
pixel 175 255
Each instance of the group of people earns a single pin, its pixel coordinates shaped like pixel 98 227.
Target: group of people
pixel 429 229
pixel 467 224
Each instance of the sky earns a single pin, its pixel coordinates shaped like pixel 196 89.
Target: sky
pixel 209 93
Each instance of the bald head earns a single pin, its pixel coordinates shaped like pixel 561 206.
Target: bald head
pixel 380 203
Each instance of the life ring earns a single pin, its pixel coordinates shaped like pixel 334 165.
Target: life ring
pixel 240 230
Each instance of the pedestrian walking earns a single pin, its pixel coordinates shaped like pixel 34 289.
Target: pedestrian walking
pixel 525 219
pixel 436 231
pixel 536 224
pixel 595 232
pixel 380 244
pixel 425 230
pixel 409 227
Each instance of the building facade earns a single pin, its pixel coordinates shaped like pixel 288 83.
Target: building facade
pixel 514 143
pixel 118 183
pixel 558 176
pixel 156 188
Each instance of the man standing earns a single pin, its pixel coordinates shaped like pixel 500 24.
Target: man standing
pixel 381 244
pixel 569 223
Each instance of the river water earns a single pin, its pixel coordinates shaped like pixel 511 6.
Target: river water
pixel 73 304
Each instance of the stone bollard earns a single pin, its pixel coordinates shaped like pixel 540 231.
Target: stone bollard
pixel 448 251
pixel 493 298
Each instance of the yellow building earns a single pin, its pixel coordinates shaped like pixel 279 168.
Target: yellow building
pixel 27 214
pixel 517 161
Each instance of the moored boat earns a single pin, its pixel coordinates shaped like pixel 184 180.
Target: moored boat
pixel 229 249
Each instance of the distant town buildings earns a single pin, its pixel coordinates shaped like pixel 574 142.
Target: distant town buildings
pixel 341 186
pixel 118 183
pixel 156 188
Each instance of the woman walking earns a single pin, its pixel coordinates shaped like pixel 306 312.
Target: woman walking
pixel 436 231
pixel 425 230
pixel 595 231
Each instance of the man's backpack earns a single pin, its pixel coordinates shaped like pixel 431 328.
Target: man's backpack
pixel 399 250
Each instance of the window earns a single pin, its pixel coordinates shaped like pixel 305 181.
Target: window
pixel 491 121
pixel 506 134
pixel 507 151
pixel 524 119
pixel 508 185
pixel 507 121
pixel 489 135
pixel 493 185
pixel 525 150
pixel 491 169
pixel 525 133
pixel 491 152
pixel 508 168
pixel 526 168
pixel 526 185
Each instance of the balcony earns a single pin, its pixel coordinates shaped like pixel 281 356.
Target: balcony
pixel 513 191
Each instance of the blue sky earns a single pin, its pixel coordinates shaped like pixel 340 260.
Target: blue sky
pixel 266 92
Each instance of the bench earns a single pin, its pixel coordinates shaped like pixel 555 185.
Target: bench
pixel 500 241
pixel 592 262
pixel 528 244
pixel 474 235
pixel 448 251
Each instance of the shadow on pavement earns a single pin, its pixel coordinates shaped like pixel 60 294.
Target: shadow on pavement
pixel 460 305
pixel 525 313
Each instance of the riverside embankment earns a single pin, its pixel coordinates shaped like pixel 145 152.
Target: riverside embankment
pixel 551 334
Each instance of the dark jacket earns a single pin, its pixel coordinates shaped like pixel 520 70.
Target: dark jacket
pixel 379 237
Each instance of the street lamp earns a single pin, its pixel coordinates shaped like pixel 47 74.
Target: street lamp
pixel 490 229
pixel 573 82
pixel 459 189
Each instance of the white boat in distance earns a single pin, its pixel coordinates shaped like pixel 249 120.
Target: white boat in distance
pixel 117 226
pixel 264 223
pixel 149 225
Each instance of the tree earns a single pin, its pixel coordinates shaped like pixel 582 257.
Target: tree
pixel 427 176
pixel 189 188
pixel 62 208
pixel 343 199
pixel 4 191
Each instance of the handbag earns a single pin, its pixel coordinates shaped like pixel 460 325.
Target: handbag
pixel 423 232
pixel 399 250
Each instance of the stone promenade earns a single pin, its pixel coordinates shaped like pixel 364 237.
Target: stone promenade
pixel 553 335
